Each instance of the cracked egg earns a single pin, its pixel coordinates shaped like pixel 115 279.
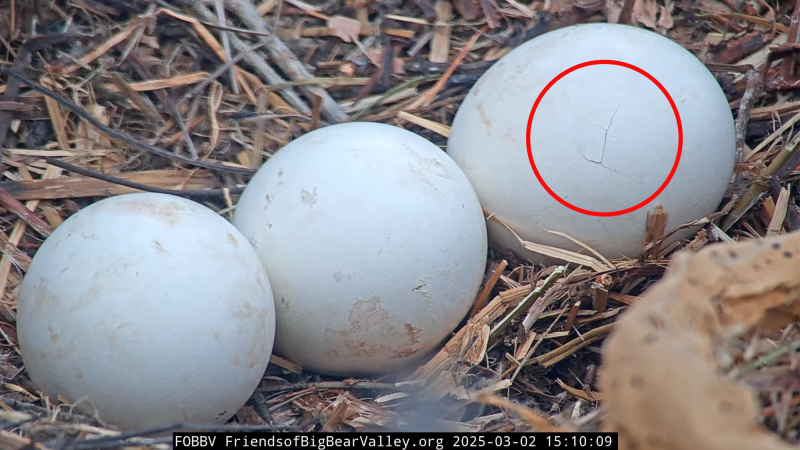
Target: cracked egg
pixel 151 308
pixel 604 138
pixel 374 242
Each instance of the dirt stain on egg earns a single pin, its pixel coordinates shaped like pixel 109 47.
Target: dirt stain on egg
pixel 256 353
pixel 245 311
pixel 487 122
pixel 43 298
pixel 508 135
pixel 338 276
pixel 309 198
pixel 413 333
pixel 429 165
pixel 369 325
pixel 169 213
pixel 160 248
pixel 251 359
pixel 232 240
pixel 428 170
pixel 113 336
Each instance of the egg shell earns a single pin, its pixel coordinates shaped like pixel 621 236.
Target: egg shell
pixel 375 244
pixel 604 138
pixel 150 307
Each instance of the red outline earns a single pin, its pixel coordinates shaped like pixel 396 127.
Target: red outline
pixel 677 120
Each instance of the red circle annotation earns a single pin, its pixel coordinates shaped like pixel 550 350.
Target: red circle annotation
pixel 677 120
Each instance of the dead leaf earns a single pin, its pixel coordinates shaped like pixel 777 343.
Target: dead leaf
pixel 644 12
pixel 665 21
pixel 613 10
pixel 345 28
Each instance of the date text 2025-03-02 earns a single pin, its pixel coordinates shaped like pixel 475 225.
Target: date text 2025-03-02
pixel 395 441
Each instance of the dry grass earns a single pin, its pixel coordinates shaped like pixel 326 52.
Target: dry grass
pixel 104 98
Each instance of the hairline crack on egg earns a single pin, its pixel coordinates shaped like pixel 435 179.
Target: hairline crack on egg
pixel 604 138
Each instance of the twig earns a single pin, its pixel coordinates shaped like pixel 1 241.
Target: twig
pixel 44 412
pixel 218 73
pixel 524 361
pixel 12 425
pixel 702 221
pixel 429 96
pixel 166 100
pixel 792 221
pixel 559 354
pixel 488 288
pixel 754 82
pixel 526 302
pixel 768 358
pixel 287 60
pixel 254 60
pixel 339 385
pixel 793 36
pixel 226 46
pixel 746 104
pixel 428 11
pixel 408 84
pixel 12 86
pixel 16 207
pixel 315 113
pixel 141 187
pixel 781 165
pixel 119 135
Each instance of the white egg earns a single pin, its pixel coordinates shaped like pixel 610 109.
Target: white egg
pixel 375 244
pixel 604 138
pixel 150 308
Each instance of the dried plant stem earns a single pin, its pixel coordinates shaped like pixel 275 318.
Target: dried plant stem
pixel 140 186
pixel 119 135
pixel 526 302
pixel 484 295
pixel 363 385
pixel 257 63
pixel 286 60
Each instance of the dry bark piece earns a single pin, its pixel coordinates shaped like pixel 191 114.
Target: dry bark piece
pixel 662 385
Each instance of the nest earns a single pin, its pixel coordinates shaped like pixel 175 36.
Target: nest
pixel 189 98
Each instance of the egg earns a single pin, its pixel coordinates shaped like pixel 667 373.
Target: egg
pixel 375 244
pixel 604 138
pixel 150 309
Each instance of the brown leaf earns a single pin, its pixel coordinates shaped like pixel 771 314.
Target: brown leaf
pixel 644 11
pixel 665 21
pixel 613 10
pixel 345 28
